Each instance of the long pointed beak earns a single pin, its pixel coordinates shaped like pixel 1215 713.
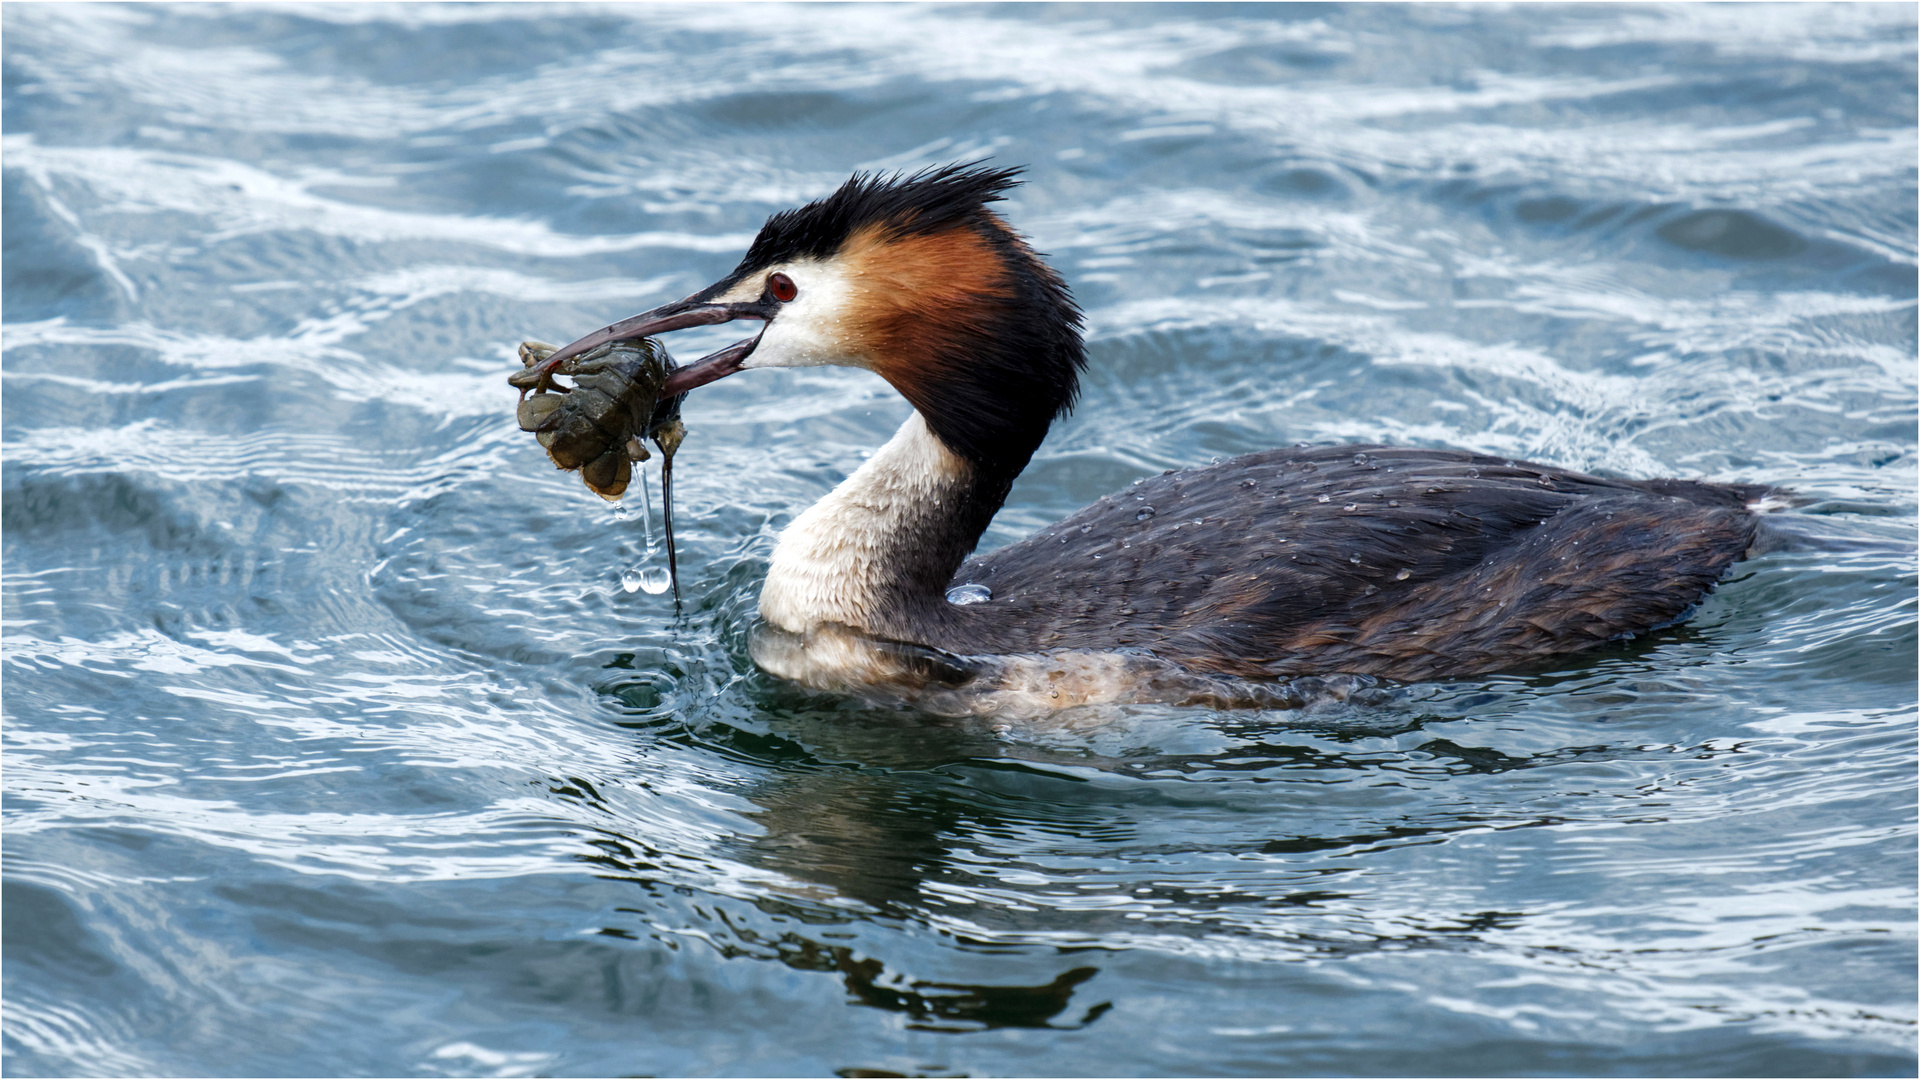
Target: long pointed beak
pixel 677 315
pixel 715 365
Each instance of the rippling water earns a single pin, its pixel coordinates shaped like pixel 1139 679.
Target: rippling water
pixel 335 746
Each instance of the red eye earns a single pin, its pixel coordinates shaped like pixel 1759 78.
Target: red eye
pixel 782 287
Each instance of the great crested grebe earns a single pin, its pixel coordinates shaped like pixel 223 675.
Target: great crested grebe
pixel 1214 585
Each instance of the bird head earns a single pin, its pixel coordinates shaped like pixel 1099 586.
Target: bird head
pixel 913 278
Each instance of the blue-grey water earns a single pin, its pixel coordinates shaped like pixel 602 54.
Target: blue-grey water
pixel 334 744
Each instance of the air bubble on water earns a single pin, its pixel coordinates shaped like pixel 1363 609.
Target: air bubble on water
pixel 1403 575
pixel 963 595
pixel 1144 513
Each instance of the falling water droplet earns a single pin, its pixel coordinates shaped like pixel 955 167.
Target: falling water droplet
pixel 1145 513
pixel 620 511
pixel 1403 575
pixel 646 510
pixel 647 574
pixel 969 594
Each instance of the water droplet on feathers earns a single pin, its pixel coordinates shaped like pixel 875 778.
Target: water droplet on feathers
pixel 1323 498
pixel 1144 513
pixel 963 595
pixel 1403 575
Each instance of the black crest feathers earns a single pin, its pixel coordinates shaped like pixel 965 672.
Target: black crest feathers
pixel 924 202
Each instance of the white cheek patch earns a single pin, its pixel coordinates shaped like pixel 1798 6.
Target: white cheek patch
pixel 813 328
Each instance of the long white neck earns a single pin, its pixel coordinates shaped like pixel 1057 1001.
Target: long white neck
pixel 886 538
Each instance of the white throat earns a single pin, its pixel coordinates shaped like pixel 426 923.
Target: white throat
pixel 837 560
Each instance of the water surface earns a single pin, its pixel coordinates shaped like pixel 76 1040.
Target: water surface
pixel 334 744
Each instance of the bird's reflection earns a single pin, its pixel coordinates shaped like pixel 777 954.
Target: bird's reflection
pixel 932 1006
pixel 867 817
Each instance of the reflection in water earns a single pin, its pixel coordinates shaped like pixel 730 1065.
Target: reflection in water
pixel 908 843
pixel 866 838
pixel 934 1006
